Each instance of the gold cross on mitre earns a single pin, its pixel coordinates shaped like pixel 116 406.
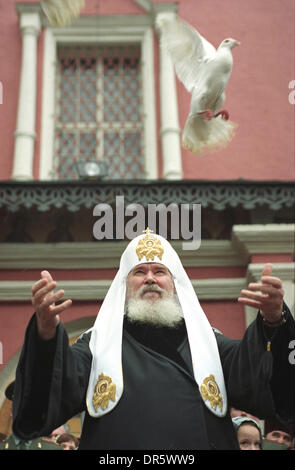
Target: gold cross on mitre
pixel 149 246
pixel 147 231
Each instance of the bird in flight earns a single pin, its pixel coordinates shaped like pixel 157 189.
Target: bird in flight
pixel 204 71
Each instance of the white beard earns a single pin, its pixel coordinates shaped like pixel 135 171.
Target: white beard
pixel 165 311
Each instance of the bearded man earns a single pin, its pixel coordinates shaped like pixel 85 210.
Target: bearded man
pixel 152 373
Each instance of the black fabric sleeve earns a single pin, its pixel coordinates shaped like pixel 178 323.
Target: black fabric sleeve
pixel 283 372
pixel 51 382
pixel 259 380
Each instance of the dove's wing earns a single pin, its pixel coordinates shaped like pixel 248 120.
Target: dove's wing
pixel 61 12
pixel 188 49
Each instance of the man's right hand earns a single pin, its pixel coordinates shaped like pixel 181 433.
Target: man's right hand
pixel 43 300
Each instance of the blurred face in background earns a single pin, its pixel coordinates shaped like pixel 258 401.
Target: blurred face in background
pixel 249 437
pixel 280 437
pixel 236 413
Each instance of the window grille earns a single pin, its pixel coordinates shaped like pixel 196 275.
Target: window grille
pixel 99 110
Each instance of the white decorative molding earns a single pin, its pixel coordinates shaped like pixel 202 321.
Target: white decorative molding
pixel 147 5
pixel 48 108
pixel 149 104
pixel 219 289
pixel 150 7
pixel 264 238
pixel 98 255
pixel 30 25
pixel 93 30
pixel 170 129
pixel 93 290
pixel 284 271
pixel 75 290
pixel 250 315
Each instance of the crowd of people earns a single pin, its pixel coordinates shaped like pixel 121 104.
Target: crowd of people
pixel 152 373
pixel 252 434
pixel 249 429
pixel 59 439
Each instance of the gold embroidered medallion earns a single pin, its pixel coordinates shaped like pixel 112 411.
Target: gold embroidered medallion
pixel 149 246
pixel 210 391
pixel 104 391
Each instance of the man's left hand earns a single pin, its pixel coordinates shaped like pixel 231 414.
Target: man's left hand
pixel 266 295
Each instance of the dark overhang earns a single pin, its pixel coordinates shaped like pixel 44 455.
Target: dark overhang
pixel 78 194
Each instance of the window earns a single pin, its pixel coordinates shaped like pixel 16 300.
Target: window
pixel 99 98
pixel 99 110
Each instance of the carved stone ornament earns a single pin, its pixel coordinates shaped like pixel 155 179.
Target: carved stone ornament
pixel 75 195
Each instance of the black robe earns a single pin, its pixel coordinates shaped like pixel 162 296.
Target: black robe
pixel 161 407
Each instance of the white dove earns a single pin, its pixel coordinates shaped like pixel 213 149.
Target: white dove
pixel 204 71
pixel 61 12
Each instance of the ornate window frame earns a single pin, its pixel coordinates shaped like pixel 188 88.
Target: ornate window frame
pixel 137 29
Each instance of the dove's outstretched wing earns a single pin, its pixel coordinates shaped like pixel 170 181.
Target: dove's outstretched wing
pixel 61 12
pixel 188 49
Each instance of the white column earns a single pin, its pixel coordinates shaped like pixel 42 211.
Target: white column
pixel 150 132
pixel 30 26
pixel 170 130
pixel 284 271
pixel 289 298
pixel 289 294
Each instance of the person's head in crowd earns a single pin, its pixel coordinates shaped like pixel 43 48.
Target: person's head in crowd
pixel 275 431
pixel 237 413
pixel 68 441
pixel 249 433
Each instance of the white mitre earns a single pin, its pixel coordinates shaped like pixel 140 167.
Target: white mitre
pixel 106 381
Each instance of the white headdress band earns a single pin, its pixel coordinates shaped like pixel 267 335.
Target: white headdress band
pixel 106 380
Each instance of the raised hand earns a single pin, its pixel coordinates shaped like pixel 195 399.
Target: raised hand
pixel 44 302
pixel 266 295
